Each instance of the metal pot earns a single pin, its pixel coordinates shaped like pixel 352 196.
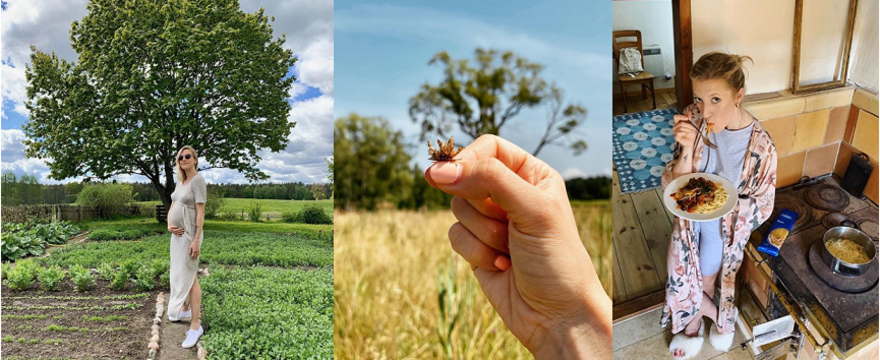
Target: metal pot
pixel 842 267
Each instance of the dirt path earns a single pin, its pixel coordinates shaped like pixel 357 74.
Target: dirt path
pixel 172 334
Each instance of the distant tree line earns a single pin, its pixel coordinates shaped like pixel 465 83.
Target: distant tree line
pixel 26 190
pixel 591 188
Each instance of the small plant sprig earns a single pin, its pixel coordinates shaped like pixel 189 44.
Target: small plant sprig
pixel 446 152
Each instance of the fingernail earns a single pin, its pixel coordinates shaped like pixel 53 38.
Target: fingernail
pixel 502 263
pixel 445 173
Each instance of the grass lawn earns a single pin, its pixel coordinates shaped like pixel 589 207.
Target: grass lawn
pixel 210 224
pixel 270 206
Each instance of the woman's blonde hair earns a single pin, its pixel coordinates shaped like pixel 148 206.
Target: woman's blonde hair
pixel 718 65
pixel 181 175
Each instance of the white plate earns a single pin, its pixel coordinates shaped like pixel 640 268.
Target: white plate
pixel 676 184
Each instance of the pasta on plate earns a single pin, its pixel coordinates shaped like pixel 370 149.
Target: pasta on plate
pixel 701 196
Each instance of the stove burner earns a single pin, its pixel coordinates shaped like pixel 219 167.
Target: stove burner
pixel 869 227
pixel 827 197
pixel 850 284
pixel 835 219
pixel 796 204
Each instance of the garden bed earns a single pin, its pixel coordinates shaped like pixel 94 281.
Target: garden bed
pixel 100 323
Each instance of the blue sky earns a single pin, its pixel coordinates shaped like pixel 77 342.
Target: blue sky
pixel 308 25
pixel 383 49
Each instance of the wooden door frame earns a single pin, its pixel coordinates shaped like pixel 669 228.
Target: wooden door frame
pixel 684 52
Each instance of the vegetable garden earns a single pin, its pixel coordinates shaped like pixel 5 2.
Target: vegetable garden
pixel 93 294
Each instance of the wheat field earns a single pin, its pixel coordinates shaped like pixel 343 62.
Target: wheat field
pixel 391 268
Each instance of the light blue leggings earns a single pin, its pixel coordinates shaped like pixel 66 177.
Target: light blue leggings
pixel 711 246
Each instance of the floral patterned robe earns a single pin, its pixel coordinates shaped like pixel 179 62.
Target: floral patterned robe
pixel 756 194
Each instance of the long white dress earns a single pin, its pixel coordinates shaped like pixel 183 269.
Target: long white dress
pixel 183 214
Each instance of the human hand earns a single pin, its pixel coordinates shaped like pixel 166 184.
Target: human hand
pixel 176 230
pixel 194 250
pixel 684 131
pixel 517 231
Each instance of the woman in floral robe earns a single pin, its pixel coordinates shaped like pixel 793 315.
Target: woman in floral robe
pixel 756 190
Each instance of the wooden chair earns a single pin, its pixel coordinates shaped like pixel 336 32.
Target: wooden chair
pixel 644 78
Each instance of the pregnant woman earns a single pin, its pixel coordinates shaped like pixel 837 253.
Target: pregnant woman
pixel 185 219
pixel 716 135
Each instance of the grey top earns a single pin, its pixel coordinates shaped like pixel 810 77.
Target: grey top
pixel 727 161
pixel 185 197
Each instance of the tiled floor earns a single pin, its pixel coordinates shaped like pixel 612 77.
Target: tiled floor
pixel 642 338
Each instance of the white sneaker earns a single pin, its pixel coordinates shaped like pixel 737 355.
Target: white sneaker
pixel 192 337
pixel 182 315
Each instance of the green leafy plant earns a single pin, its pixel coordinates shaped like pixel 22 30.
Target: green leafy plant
pixel 106 271
pixel 21 277
pixel 82 278
pixel 144 279
pixel 129 266
pixel 30 239
pixel 50 278
pixel 119 279
pixel 121 232
pixel 4 269
pixel 313 214
pixel 289 217
pixel 159 267
pixel 165 280
pixel 255 212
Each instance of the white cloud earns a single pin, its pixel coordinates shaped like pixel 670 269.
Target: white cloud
pixel 44 24
pixel 571 173
pixel 308 28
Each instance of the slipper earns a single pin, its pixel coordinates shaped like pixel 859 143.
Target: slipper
pixel 690 345
pixel 719 341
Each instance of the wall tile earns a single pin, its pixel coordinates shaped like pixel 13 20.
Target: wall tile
pixel 809 130
pixel 781 130
pixel 776 108
pixel 865 137
pixel 820 160
pixel 837 122
pixel 789 169
pixel 830 99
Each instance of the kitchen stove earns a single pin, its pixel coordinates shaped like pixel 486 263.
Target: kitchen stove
pixel 827 197
pixel 844 308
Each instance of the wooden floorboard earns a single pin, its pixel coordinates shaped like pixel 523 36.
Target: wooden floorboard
pixel 655 226
pixel 637 269
pixel 619 293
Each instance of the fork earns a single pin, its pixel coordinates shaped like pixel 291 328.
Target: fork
pixel 703 137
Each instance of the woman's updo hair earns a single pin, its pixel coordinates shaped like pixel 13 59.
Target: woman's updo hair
pixel 718 65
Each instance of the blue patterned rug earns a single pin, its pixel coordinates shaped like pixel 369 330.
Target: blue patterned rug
pixel 642 147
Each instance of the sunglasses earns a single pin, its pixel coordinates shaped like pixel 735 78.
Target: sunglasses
pixel 181 157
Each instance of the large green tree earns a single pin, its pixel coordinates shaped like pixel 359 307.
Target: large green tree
pixel 152 76
pixel 482 96
pixel 373 163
